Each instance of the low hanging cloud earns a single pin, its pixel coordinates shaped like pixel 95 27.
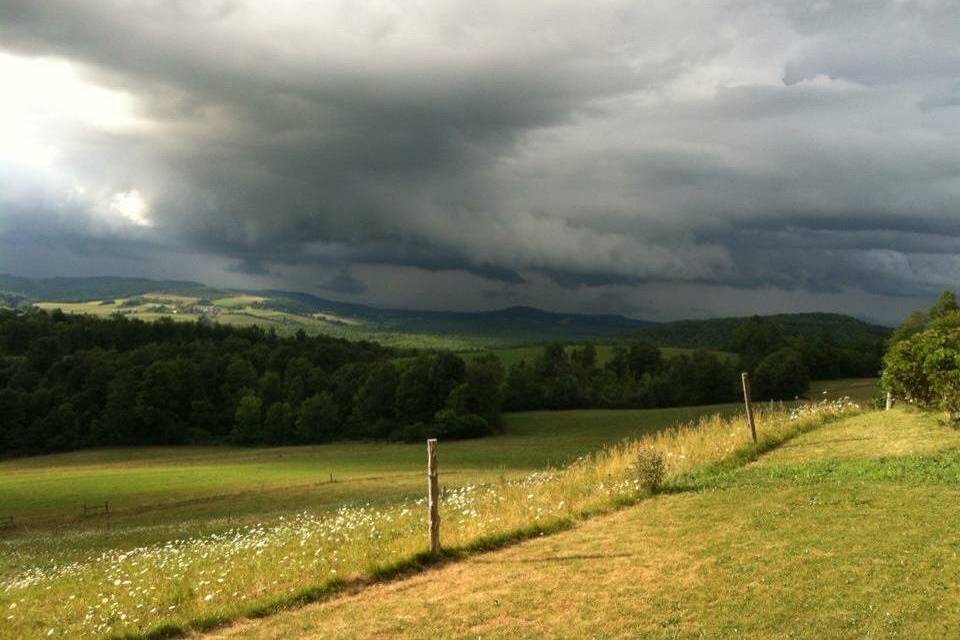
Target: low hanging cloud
pixel 597 148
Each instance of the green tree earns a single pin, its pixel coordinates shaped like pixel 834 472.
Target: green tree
pixel 945 304
pixel 247 426
pixel 318 419
pixel 522 388
pixel 643 357
pixel 756 338
pixel 925 370
pixel 14 419
pixel 781 375
pixel 278 424
pixel 239 376
pixel 374 407
pixel 413 392
pixel 480 393
pixel 585 358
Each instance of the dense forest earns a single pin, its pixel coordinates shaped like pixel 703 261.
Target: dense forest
pixel 70 381
pixel 722 333
pixel 76 381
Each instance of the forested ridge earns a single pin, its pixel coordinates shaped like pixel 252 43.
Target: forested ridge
pixel 77 381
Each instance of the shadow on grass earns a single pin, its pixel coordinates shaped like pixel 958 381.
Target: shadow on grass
pixel 571 558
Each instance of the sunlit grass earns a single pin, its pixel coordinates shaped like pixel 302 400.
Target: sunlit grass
pixel 195 582
pixel 859 543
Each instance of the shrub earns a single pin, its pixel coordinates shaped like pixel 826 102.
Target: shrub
pixel 648 469
pixel 452 425
pixel 924 370
pixel 781 375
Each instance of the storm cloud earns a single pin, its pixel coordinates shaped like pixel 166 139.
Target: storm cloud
pixel 667 158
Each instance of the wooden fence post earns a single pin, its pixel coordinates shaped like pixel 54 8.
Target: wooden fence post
pixel 745 377
pixel 889 400
pixel 433 490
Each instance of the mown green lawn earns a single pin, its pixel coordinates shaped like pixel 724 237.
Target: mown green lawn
pixel 847 531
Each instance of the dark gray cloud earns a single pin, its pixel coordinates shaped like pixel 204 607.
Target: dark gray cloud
pixel 344 282
pixel 575 155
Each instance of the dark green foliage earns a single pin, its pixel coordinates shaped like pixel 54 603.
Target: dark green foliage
pixel 450 423
pixel 480 393
pixel 374 407
pixel 248 425
pixel 77 381
pixel 782 375
pixel 635 377
pixel 318 419
pixel 720 333
pixel 755 338
pixel 643 358
pixel 945 305
pixel 914 324
pixel 782 364
pixel 922 365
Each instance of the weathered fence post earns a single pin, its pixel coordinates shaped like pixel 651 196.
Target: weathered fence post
pixel 745 377
pixel 889 400
pixel 433 489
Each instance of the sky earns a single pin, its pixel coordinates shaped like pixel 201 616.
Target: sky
pixel 660 159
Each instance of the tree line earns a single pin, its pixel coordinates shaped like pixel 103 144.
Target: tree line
pixel 637 376
pixel 70 382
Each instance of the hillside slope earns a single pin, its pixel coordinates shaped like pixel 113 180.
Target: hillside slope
pixel 848 531
pixel 288 312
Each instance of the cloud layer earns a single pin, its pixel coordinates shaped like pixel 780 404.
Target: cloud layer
pixel 583 155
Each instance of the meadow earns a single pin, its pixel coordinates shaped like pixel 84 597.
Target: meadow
pixel 168 485
pixel 160 579
pixel 172 485
pixel 241 311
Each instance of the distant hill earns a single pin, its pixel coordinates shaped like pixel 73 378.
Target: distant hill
pixel 518 323
pixel 78 289
pixel 289 311
pixel 718 333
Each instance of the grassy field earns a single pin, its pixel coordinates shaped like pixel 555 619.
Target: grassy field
pixel 161 578
pixel 863 390
pixel 241 311
pixel 846 531
pixel 169 485
pixel 198 535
